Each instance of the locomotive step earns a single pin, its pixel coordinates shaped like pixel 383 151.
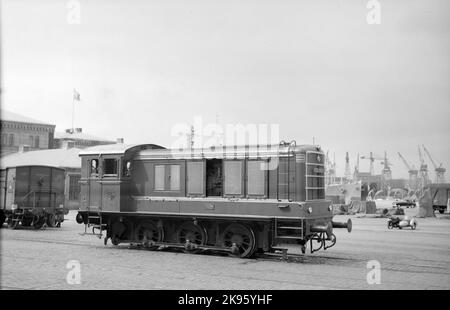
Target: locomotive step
pixel 289 237
pixel 97 225
pixel 290 227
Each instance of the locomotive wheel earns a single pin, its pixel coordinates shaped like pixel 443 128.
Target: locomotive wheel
pixel 194 233
pixel 148 232
pixel 241 239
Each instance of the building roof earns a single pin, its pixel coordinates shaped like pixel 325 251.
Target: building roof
pixel 63 158
pixel 79 136
pixel 14 117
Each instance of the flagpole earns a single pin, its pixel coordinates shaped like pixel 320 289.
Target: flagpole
pixel 73 111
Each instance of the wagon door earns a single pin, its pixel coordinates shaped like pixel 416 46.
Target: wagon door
pixel 2 189
pixel 10 187
pixel 57 187
pixel 40 194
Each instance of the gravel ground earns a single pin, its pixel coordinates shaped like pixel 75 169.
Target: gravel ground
pixel 408 259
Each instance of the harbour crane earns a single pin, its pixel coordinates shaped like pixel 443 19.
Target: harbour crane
pixel 439 170
pixel 348 173
pixel 387 174
pixel 331 169
pixel 423 179
pixel 355 173
pixel 372 160
pixel 412 173
pixel 384 161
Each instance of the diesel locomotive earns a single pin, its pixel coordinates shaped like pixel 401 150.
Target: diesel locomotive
pixel 32 196
pixel 239 199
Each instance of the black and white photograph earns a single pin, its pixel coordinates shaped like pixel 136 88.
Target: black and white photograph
pixel 224 152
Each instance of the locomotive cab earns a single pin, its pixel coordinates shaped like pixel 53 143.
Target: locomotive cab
pixel 100 182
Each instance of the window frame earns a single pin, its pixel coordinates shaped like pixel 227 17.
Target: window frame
pixel 265 181
pixel 90 173
pixel 225 172
pixel 203 183
pixel 167 178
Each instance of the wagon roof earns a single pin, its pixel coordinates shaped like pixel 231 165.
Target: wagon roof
pixel 63 158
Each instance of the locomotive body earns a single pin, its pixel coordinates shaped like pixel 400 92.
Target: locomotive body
pixel 32 196
pixel 238 199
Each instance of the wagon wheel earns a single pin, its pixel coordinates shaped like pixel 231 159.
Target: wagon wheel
pixel 26 221
pixel 13 222
pixel 38 221
pixel 2 218
pixel 194 233
pixel 241 240
pixel 52 220
pixel 148 232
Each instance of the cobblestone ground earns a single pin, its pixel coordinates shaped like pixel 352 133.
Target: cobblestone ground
pixel 409 260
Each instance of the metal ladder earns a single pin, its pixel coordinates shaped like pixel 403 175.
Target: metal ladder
pixel 97 224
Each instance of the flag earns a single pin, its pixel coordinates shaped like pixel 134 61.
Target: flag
pixel 76 95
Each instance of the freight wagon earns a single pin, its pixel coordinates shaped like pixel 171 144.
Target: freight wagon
pixel 238 199
pixel 32 196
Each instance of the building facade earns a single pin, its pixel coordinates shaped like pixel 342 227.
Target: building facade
pixel 19 131
pixel 78 139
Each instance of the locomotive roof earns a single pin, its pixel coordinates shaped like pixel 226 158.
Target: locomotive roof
pixel 117 149
pixel 243 151
pixel 153 151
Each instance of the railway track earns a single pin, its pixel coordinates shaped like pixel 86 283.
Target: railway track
pixel 417 267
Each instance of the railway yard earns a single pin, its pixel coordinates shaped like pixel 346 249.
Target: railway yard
pixel 419 259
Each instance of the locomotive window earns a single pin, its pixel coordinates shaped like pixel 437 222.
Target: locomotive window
pixel 110 166
pixel 256 178
pixel 233 178
pixel 160 173
pixel 94 166
pixel 127 169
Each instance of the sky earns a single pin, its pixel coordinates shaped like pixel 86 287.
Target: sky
pixel 315 68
